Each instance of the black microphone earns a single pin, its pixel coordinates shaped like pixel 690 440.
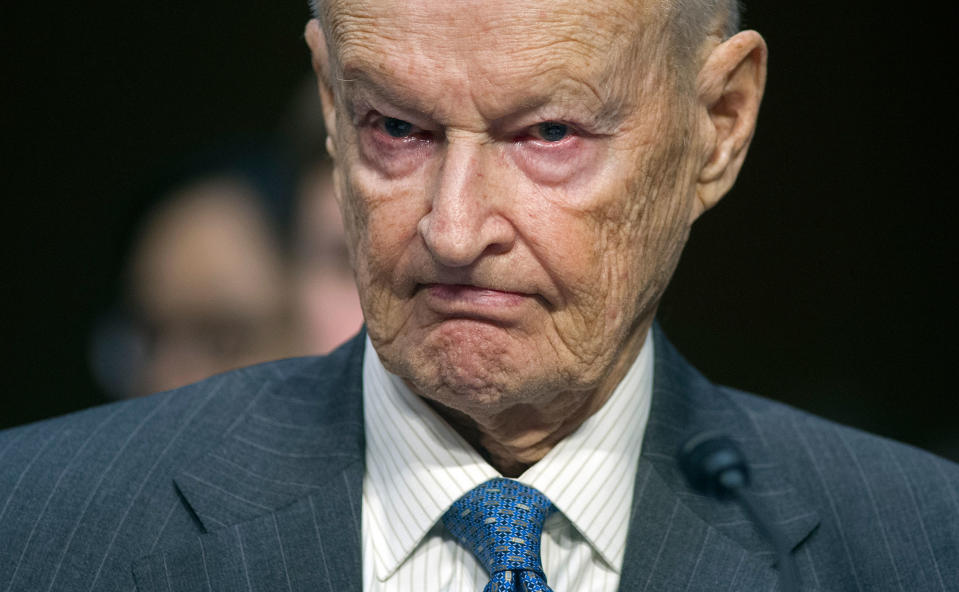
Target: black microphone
pixel 714 465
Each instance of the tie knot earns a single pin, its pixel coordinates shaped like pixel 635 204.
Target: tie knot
pixel 501 521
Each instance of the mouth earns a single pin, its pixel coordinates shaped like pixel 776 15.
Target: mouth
pixel 474 294
pixel 474 302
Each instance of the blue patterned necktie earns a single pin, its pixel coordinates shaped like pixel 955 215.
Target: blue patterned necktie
pixel 501 521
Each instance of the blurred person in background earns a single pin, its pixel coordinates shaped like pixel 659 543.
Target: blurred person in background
pixel 237 261
pixel 205 277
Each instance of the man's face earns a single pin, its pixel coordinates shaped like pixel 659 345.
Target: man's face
pixel 516 186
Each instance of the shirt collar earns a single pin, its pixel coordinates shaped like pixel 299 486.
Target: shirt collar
pixel 417 465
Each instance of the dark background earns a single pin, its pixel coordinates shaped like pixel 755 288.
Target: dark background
pixel 821 280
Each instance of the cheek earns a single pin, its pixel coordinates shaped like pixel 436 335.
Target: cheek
pixel 592 243
pixel 569 246
pixel 383 224
pixel 587 217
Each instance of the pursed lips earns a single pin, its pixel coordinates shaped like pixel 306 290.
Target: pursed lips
pixel 473 301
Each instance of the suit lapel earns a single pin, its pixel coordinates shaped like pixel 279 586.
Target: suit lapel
pixel 680 540
pixel 280 497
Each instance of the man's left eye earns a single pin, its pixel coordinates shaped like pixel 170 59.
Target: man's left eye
pixel 397 128
pixel 551 131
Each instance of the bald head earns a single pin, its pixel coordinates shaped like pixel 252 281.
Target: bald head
pixel 687 23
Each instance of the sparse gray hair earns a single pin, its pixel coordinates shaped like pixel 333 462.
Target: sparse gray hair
pixel 690 22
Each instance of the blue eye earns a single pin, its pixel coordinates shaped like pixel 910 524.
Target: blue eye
pixel 397 127
pixel 552 131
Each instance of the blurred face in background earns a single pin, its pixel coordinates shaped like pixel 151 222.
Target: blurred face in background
pixel 209 286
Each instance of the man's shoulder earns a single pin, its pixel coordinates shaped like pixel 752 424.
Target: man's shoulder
pixel 204 408
pixel 868 512
pixel 98 486
pixel 192 417
pixel 888 510
pixel 788 434
pixel 849 471
pixel 793 432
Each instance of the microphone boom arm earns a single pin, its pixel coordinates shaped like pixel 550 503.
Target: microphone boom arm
pixel 714 465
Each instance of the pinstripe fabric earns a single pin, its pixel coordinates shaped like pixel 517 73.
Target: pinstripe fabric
pixel 253 481
pixel 417 466
pixel 836 493
pixel 84 496
pixel 70 519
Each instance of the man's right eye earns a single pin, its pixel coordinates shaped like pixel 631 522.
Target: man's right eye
pixel 397 128
pixel 393 145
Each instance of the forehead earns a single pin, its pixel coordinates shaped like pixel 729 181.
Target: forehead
pixel 475 19
pixel 503 43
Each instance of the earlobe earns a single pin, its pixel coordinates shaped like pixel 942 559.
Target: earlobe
pixel 320 58
pixel 730 90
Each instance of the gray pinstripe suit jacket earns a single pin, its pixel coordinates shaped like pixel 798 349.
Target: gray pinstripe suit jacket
pixel 252 481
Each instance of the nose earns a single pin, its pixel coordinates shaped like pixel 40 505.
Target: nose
pixel 465 220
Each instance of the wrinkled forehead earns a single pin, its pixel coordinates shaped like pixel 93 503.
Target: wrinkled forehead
pixel 497 54
pixel 590 29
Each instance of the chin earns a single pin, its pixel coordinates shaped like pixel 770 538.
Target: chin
pixel 476 375
pixel 465 368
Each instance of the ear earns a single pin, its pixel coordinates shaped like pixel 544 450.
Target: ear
pixel 323 69
pixel 730 89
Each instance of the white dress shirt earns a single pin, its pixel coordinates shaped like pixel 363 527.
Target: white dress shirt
pixel 417 466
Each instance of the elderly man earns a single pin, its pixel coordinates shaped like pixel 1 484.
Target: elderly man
pixel 517 181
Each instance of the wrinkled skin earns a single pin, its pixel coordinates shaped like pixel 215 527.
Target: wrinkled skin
pixel 517 187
